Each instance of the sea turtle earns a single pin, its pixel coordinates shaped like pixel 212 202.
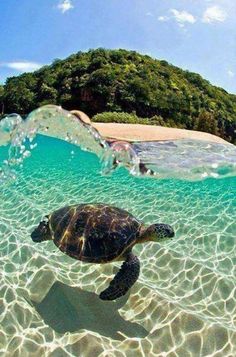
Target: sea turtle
pixel 100 233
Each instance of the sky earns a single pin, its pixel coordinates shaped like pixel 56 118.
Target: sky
pixel 197 35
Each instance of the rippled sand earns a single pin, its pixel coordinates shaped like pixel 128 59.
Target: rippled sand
pixel 184 303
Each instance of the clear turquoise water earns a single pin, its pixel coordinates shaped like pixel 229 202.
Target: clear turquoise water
pixel 184 303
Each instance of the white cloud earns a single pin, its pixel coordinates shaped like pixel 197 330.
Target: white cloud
pixel 163 18
pixel 65 6
pixel 231 74
pixel 22 66
pixel 149 14
pixel 183 16
pixel 214 14
pixel 211 14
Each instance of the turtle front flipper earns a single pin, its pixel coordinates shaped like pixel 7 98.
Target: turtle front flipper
pixel 123 280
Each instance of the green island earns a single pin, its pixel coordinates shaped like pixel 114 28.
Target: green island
pixel 125 87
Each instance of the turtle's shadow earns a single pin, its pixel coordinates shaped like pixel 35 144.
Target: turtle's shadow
pixel 69 309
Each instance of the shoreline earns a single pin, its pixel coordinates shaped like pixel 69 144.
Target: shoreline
pixel 139 132
pixel 142 132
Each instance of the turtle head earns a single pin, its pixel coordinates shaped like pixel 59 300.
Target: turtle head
pixel 42 232
pixel 157 232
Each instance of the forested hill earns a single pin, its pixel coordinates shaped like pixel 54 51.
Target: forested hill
pixel 125 81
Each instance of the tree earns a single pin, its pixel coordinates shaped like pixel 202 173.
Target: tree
pixel 206 122
pixel 47 95
pixel 19 95
pixel 1 100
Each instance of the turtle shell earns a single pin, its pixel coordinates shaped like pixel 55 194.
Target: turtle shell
pixel 94 232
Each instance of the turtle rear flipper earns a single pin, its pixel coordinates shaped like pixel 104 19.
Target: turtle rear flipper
pixel 123 280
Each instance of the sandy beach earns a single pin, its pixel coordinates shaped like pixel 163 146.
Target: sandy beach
pixel 139 132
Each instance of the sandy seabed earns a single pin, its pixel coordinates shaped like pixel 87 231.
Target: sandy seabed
pixel 184 303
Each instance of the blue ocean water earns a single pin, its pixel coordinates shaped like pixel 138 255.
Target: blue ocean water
pixel 184 303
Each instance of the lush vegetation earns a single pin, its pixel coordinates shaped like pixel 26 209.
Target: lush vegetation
pixel 132 118
pixel 125 81
pixel 1 100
